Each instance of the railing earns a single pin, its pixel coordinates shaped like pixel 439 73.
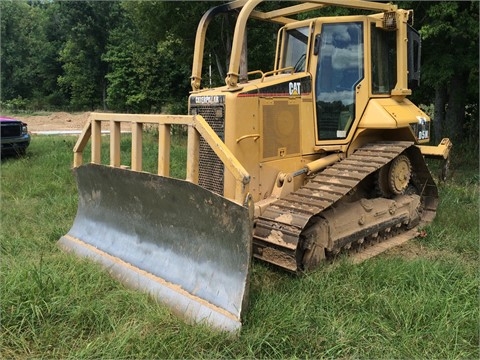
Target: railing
pixel 197 126
pixel 290 69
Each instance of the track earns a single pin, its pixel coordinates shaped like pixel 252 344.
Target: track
pixel 279 233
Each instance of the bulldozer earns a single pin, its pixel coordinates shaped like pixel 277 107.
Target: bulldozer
pixel 323 154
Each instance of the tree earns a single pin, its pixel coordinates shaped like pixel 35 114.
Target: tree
pixel 148 69
pixel 87 25
pixel 450 33
pixel 135 78
pixel 26 53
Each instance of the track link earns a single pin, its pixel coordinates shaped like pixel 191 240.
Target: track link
pixel 278 231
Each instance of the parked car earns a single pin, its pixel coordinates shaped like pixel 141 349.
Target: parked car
pixel 14 136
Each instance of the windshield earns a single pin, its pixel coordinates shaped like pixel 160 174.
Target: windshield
pixel 295 48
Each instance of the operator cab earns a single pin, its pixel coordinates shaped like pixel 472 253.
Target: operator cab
pixel 334 53
pixel 335 60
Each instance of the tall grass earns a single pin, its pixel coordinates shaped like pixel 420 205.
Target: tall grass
pixel 417 301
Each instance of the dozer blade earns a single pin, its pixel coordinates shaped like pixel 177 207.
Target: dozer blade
pixel 188 247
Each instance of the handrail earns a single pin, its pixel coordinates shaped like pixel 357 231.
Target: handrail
pixel 197 126
pixel 254 136
pixel 273 72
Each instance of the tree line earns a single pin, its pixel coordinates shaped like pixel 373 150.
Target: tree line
pixel 131 56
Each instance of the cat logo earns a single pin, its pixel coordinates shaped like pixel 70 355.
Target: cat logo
pixel 294 88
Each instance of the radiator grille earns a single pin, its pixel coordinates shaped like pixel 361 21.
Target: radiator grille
pixel 281 121
pixel 211 168
pixel 11 130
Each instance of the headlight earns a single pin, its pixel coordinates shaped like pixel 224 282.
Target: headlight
pixel 24 129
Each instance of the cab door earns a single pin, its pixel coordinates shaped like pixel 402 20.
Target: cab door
pixel 339 75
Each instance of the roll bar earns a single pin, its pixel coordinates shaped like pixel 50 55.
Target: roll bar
pixel 247 11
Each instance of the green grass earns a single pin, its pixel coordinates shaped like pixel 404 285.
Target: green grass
pixel 417 301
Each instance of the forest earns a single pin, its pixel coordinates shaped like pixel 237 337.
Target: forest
pixel 135 56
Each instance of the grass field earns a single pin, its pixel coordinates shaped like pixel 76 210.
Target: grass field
pixel 416 301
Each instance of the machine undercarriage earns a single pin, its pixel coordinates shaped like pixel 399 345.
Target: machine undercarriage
pixel 382 189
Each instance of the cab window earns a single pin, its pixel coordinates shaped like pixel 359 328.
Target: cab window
pixel 295 43
pixel 384 56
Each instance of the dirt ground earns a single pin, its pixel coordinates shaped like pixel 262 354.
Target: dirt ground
pixel 56 121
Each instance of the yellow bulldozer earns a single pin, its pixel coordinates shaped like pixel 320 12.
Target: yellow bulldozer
pixel 322 154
